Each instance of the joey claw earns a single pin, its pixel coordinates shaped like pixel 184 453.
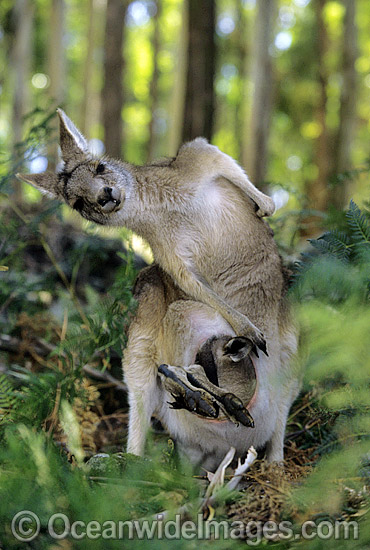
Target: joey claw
pixel 185 397
pixel 235 408
pixel 192 402
pixel 229 403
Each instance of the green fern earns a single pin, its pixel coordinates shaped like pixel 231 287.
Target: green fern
pixel 8 400
pixel 339 264
pixel 336 243
pixel 350 244
pixel 358 224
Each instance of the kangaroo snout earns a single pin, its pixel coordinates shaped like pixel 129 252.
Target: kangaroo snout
pixel 110 199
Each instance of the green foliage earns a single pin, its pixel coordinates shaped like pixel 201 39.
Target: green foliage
pixel 35 476
pixel 332 290
pixel 7 398
pixel 339 269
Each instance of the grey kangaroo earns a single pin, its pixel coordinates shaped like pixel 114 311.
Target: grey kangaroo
pixel 210 349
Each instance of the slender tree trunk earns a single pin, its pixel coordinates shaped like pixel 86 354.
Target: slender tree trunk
pixel 347 118
pixel 112 93
pixel 317 191
pixel 87 101
pixel 255 154
pixel 153 93
pixel 243 42
pixel 56 66
pixel 21 63
pixel 200 98
pixel 176 115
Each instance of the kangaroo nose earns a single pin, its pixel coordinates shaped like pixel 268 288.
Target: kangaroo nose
pixel 111 196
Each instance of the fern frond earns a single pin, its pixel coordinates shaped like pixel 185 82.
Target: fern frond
pixel 358 223
pixel 339 244
pixel 321 245
pixel 7 398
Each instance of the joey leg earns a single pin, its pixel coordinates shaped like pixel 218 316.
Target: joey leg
pixel 194 392
pixel 229 403
pixel 191 398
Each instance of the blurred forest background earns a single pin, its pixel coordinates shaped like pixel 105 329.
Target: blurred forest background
pixel 284 87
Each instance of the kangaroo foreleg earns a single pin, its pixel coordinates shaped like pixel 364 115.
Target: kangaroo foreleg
pixel 200 291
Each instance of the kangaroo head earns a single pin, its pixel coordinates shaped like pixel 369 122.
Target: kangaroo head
pixel 96 188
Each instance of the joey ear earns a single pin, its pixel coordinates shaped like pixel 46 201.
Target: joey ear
pixel 72 142
pixel 46 182
pixel 237 348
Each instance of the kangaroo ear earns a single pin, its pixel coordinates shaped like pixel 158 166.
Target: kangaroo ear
pixel 237 348
pixel 72 142
pixel 46 182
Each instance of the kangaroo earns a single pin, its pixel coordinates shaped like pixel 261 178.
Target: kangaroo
pixel 217 285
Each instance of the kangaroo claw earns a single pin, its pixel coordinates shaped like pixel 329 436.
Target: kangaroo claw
pixel 235 408
pixel 252 333
pixel 261 344
pixel 186 397
pixel 230 404
pixel 197 395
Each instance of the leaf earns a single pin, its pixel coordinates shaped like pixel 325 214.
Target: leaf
pixel 359 225
pixel 339 244
pixel 7 397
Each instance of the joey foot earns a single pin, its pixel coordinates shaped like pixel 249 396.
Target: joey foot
pixel 186 397
pixel 193 391
pixel 230 403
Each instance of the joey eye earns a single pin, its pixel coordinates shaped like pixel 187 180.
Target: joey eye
pixel 100 168
pixel 78 205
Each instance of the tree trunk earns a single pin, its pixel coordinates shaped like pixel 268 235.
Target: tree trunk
pixel 112 93
pixel 153 92
pixel 177 107
pixel 87 101
pixel 21 63
pixel 200 98
pixel 317 191
pixel 56 67
pixel 255 154
pixel 342 154
pixel 242 55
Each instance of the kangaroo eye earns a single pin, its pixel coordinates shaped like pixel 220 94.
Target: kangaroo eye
pixel 100 168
